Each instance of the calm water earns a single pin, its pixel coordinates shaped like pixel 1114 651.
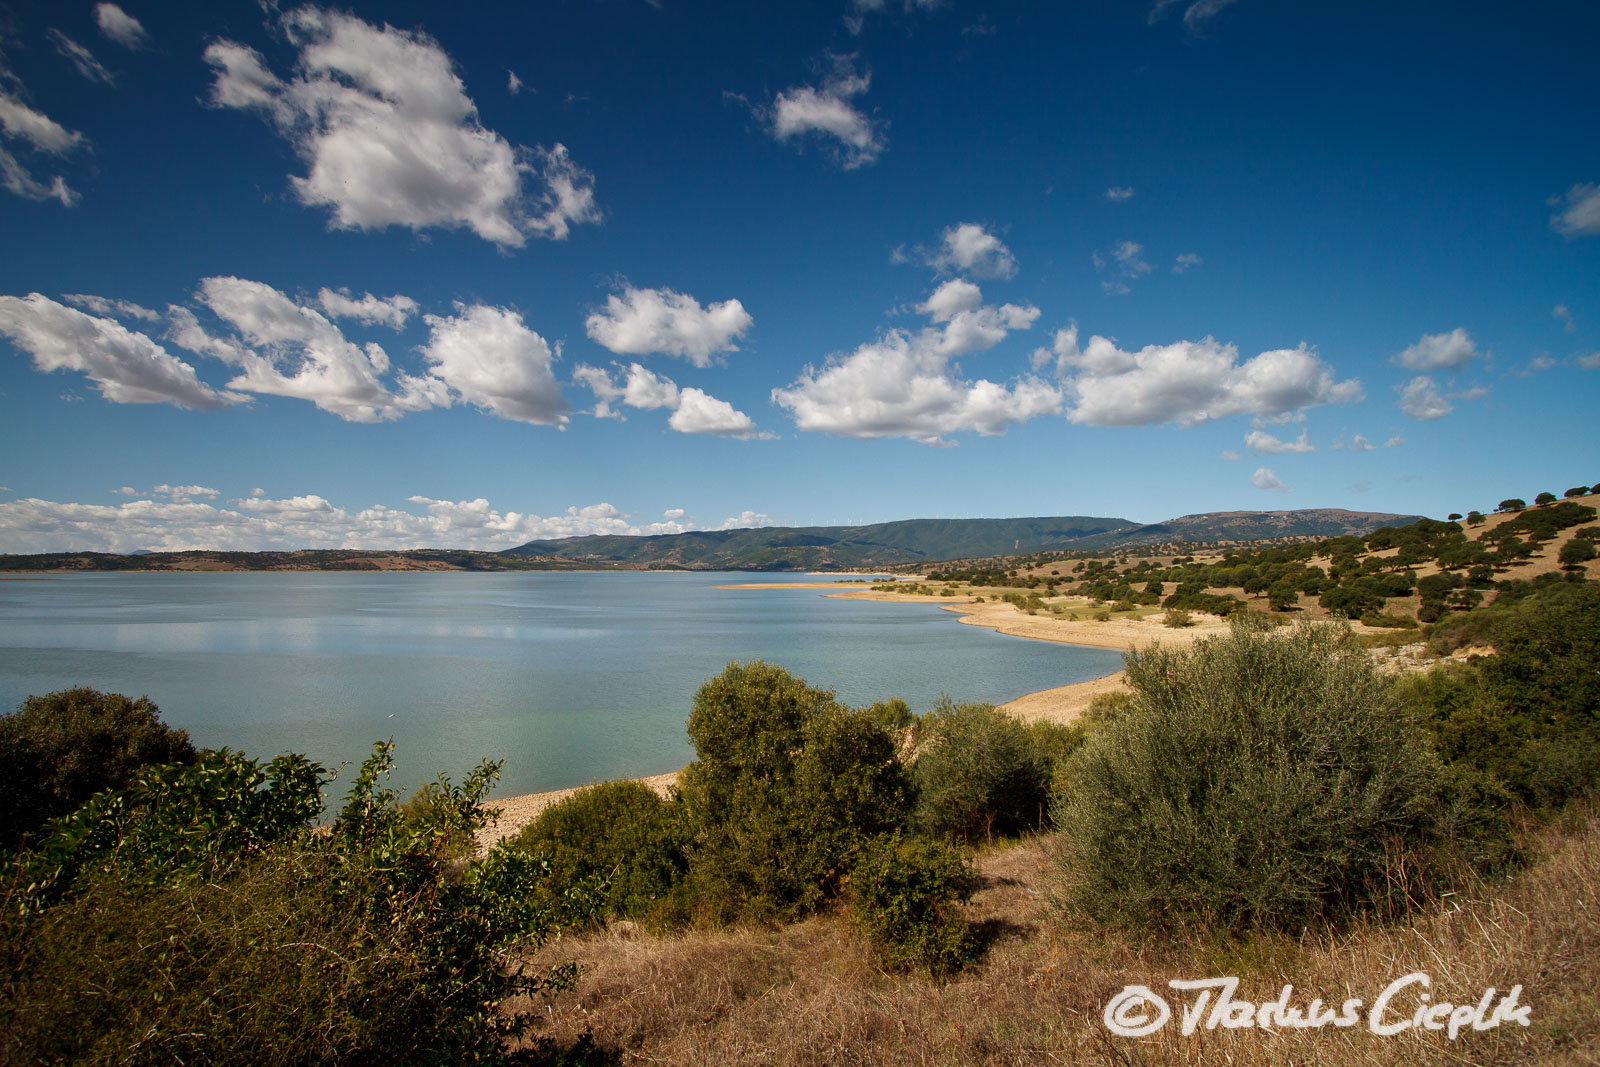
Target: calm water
pixel 567 677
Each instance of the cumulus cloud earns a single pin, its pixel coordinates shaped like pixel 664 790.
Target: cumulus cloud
pixel 82 60
pixel 645 321
pixel 1580 211
pixel 693 411
pixel 970 249
pixel 1439 351
pixel 392 312
pixel 120 26
pixel 1267 445
pixel 487 357
pixel 1119 193
pixel 126 367
pixel 41 134
pixel 1590 361
pixel 903 384
pixel 854 138
pixel 1188 382
pixel 1184 261
pixel 289 350
pixel 392 139
pixel 1267 481
pixel 305 521
pixel 1564 314
pixel 1420 399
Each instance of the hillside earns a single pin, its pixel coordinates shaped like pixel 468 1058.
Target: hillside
pixel 830 547
pixel 916 541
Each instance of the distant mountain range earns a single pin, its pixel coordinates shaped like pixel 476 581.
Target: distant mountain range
pixel 910 542
pixel 913 541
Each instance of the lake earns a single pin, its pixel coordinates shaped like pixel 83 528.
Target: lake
pixel 567 677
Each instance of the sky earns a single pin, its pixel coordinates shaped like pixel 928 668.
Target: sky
pixel 419 275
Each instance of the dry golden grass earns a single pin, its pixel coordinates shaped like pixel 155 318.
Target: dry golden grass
pixel 813 994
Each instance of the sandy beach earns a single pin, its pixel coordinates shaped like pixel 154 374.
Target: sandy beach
pixel 1061 704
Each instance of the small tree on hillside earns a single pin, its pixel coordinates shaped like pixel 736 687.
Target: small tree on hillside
pixel 1576 552
pixel 1544 498
pixel 1512 504
pixel 1580 490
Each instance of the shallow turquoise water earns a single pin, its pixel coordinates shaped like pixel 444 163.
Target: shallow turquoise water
pixel 568 677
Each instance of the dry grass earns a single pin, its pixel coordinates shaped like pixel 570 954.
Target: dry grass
pixel 812 993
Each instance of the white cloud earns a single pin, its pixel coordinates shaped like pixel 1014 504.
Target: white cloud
pixel 699 413
pixel 1359 443
pixel 1477 392
pixel 392 312
pixel 291 351
pixel 1231 456
pixel 392 139
pixel 1265 444
pixel 1189 382
pixel 80 57
pixel 1564 314
pixel 126 367
pixel 121 309
pixel 490 359
pixel 746 520
pixel 120 26
pixel 309 521
pixel 1439 351
pixel 1194 15
pixel 1124 264
pixel 513 83
pixel 1265 480
pixel 1589 362
pixel 903 385
pixel 1420 399
pixel 645 321
pixel 1118 193
pixel 1581 214
pixel 39 132
pixel 1184 261
pixel 827 112
pixel 693 411
pixel 971 249
pixel 183 494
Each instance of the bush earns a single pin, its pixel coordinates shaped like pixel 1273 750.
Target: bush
pixel 1384 620
pixel 788 786
pixel 1256 779
pixel 1178 619
pixel 979 772
pixel 618 841
pixel 903 894
pixel 60 749
pixel 206 923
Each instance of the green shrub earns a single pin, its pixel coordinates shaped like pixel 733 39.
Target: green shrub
pixel 60 749
pixel 618 840
pixel 788 785
pixel 1178 619
pixel 1256 779
pixel 204 921
pixel 903 897
pixel 1393 622
pixel 980 772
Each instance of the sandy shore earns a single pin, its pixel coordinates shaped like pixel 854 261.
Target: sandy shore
pixel 1061 704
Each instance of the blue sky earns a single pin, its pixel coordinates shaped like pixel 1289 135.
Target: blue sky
pixel 414 275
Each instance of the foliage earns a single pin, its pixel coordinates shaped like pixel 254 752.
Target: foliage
pixel 618 841
pixel 788 785
pixel 903 896
pixel 197 918
pixel 980 772
pixel 1577 552
pixel 1255 779
pixel 1178 619
pixel 58 750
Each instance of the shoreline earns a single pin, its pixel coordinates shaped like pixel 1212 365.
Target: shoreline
pixel 1060 704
